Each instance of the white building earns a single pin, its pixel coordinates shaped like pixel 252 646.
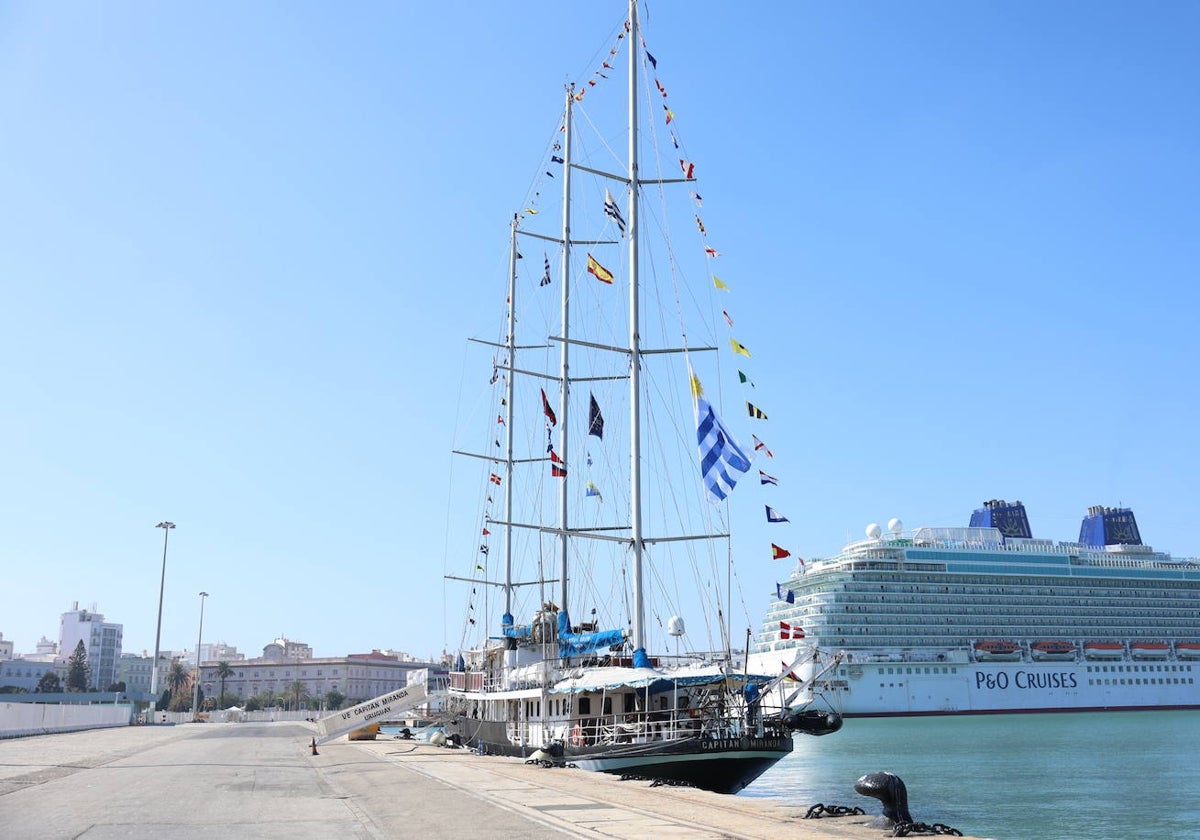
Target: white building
pixel 359 676
pixel 6 649
pixel 27 673
pixel 101 640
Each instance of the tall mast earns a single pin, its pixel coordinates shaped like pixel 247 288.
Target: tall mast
pixel 635 360
pixel 564 345
pixel 511 344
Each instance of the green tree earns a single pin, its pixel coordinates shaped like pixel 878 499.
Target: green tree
pixel 334 700
pixel 297 692
pixel 223 672
pixel 78 671
pixel 117 686
pixel 179 683
pixel 253 703
pixel 49 683
pixel 13 689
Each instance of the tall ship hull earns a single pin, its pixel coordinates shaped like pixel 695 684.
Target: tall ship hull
pixel 985 619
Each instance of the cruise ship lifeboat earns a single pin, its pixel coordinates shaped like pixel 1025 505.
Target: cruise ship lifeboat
pixel 1052 649
pixel 1104 650
pixel 1188 650
pixel 997 649
pixel 1149 650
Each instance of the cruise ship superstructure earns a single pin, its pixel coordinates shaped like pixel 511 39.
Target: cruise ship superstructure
pixel 987 619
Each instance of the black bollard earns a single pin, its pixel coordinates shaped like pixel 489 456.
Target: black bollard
pixel 889 789
pixel 314 747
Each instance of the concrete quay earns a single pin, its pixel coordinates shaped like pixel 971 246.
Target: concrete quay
pixel 260 780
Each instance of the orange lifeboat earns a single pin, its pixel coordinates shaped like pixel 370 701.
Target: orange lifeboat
pixel 1149 650
pixel 997 649
pixel 1187 650
pixel 1052 649
pixel 1104 650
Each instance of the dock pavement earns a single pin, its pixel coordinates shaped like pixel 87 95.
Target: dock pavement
pixel 261 781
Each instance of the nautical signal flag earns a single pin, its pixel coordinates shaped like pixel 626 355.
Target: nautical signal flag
pixel 689 169
pixel 558 467
pixel 755 412
pixel 593 490
pixel 546 277
pixel 763 478
pixel 784 594
pixel 712 252
pixel 722 461
pixel 729 321
pixel 600 272
pixel 719 283
pixel 548 410
pixel 775 516
pixel 744 379
pixel 778 553
pixel 595 418
pixel 495 479
pixel 613 212
pixel 788 674
pixel 760 446
pixel 500 418
pixel 486 531
pixel 739 348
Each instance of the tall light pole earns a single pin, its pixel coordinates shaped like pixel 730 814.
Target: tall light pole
pixel 166 526
pixel 196 687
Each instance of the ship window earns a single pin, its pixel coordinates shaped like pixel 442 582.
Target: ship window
pixel 607 706
pixel 585 705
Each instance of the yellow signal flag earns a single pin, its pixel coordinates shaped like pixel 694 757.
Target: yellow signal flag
pixel 719 284
pixel 739 348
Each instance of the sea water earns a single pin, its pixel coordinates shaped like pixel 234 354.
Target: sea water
pixel 1073 776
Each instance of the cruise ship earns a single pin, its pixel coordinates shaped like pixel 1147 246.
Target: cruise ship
pixel 987 619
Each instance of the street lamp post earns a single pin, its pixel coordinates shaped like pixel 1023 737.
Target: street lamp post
pixel 166 526
pixel 196 687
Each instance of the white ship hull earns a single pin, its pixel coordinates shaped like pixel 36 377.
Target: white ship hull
pixel 860 687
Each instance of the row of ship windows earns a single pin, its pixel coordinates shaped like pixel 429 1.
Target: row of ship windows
pixel 1021 612
pixel 984 624
pixel 1024 600
pixel 1116 669
pixel 947 595
pixel 1039 584
pixel 1114 681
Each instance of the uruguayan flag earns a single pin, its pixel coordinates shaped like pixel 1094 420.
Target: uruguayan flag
pixel 722 461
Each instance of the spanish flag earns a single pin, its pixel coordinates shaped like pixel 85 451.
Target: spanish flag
pixel 601 273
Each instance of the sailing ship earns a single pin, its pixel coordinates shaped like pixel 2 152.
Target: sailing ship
pixel 593 693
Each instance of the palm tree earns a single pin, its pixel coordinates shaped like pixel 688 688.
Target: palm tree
pixel 222 672
pixel 178 681
pixel 297 691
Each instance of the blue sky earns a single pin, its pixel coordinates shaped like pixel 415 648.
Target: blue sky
pixel 242 245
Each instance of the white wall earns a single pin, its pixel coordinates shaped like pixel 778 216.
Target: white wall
pixel 20 719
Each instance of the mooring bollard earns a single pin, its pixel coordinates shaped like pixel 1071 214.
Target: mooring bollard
pixel 889 789
pixel 314 747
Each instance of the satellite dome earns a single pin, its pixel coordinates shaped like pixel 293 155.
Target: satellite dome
pixel 895 526
pixel 873 531
pixel 675 626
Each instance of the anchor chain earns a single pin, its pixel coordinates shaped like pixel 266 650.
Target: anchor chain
pixel 904 829
pixel 821 810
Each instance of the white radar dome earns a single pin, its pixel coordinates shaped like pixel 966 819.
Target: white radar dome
pixel 873 531
pixel 895 526
pixel 675 626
